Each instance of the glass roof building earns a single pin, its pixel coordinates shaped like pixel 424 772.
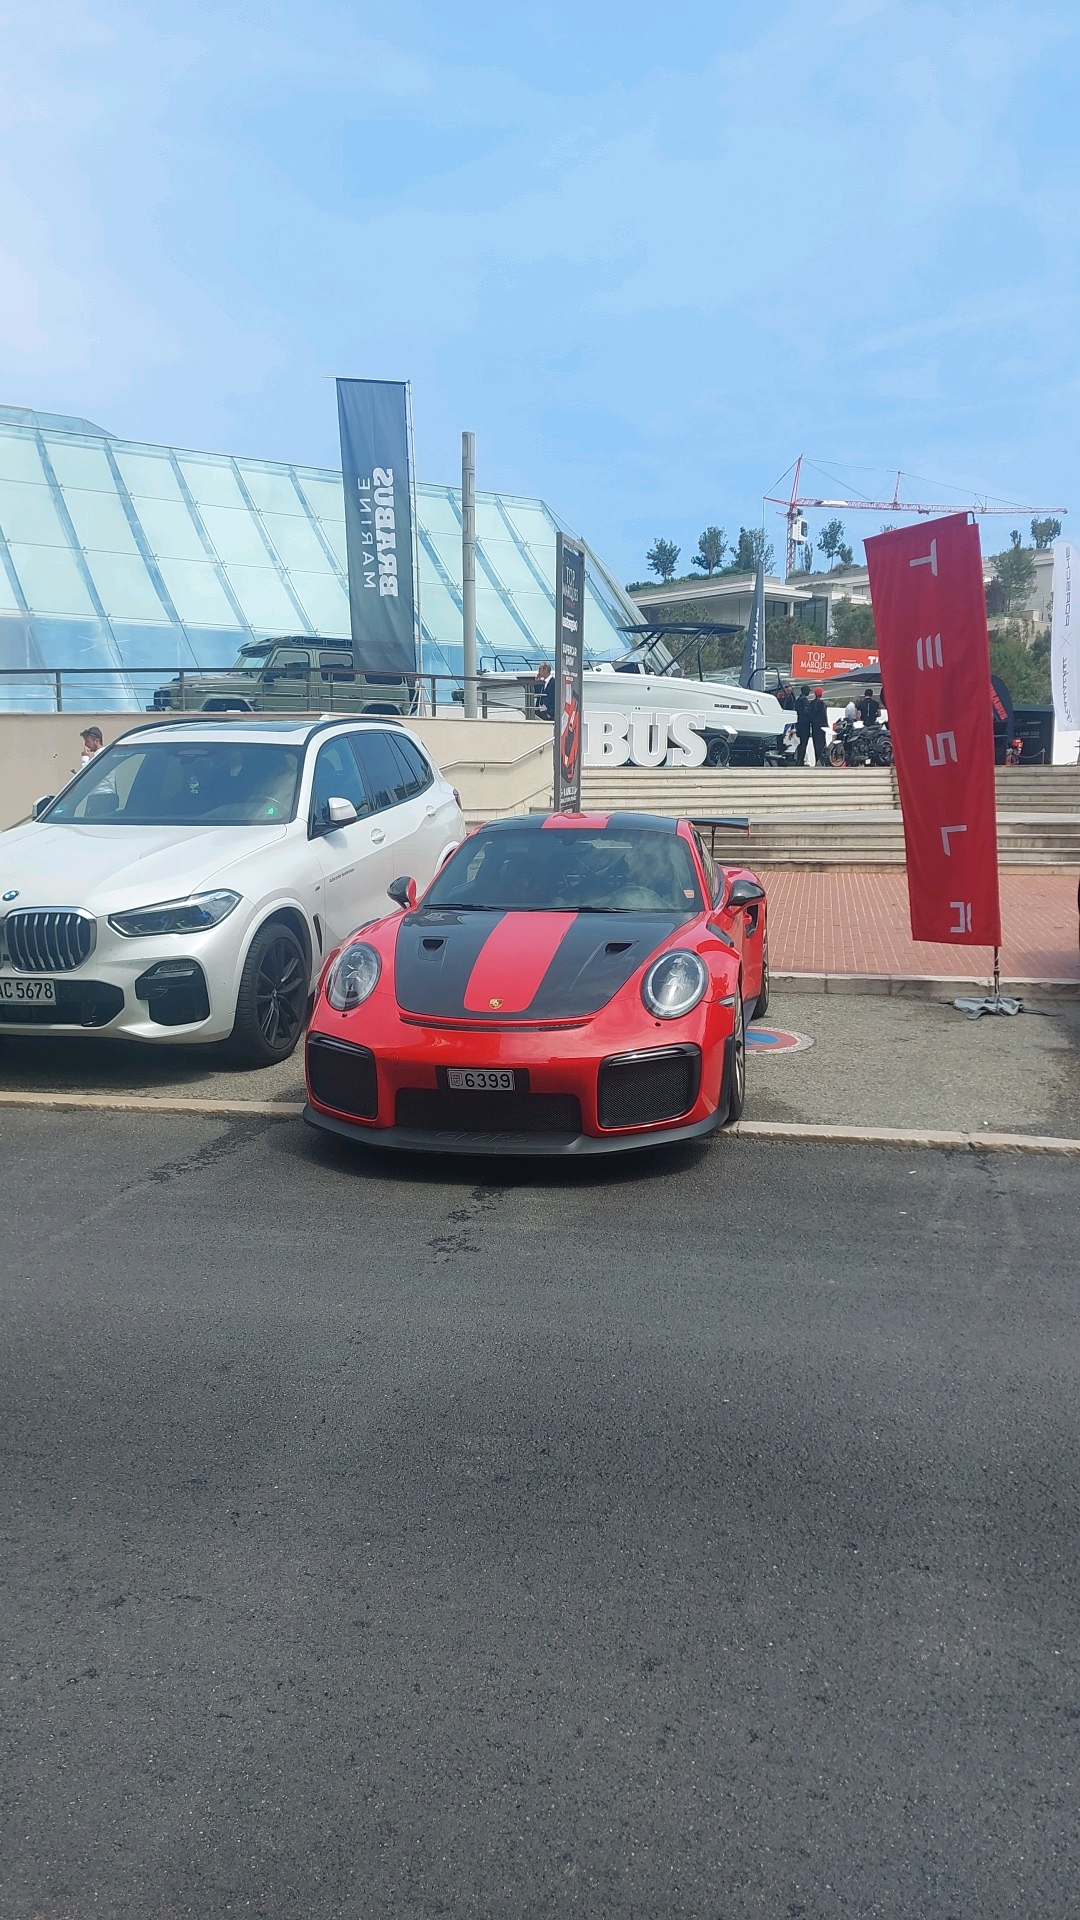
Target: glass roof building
pixel 133 558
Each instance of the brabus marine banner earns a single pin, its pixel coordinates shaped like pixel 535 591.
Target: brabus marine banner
pixel 569 661
pixel 373 419
pixel 926 585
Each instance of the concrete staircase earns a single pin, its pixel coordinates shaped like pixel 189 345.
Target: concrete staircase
pixel 847 817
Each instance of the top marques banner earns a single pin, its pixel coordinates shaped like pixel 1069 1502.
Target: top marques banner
pixel 373 420
pixel 926 585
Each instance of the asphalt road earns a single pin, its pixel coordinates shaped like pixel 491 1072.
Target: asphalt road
pixel 694 1537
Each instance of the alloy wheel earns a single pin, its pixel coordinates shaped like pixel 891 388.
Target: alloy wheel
pixel 280 995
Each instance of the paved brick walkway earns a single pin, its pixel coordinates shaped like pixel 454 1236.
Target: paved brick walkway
pixel 858 923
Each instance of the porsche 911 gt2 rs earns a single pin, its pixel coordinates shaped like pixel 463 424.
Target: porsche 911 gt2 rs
pixel 570 984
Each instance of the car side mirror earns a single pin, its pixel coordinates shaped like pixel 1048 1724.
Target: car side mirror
pixel 744 893
pixel 340 813
pixel 337 813
pixel 402 892
pixel 39 806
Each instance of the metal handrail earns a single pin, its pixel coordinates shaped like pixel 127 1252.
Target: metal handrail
pixel 55 677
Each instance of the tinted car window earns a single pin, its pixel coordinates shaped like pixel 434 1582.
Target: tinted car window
pixel 615 869
pixel 337 777
pixel 418 774
pixel 384 773
pixel 184 783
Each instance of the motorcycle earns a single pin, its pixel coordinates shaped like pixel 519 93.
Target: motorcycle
pixel 855 746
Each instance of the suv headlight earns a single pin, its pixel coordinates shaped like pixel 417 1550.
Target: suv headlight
pixel 192 915
pixel 353 976
pixel 674 984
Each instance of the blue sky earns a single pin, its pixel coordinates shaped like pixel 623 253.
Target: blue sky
pixel 649 254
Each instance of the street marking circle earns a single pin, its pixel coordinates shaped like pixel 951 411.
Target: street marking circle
pixel 776 1040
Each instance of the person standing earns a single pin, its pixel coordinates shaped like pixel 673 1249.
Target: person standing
pixel 543 692
pixel 818 715
pixel 802 724
pixel 869 708
pixel 92 742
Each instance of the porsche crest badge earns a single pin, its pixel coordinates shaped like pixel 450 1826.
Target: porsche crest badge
pixel 494 1004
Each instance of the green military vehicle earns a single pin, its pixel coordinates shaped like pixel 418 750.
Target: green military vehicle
pixel 287 676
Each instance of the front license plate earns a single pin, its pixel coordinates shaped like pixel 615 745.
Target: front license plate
pixel 41 993
pixel 481 1079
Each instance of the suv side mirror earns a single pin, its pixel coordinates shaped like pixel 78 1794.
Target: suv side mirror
pixel 337 813
pixel 744 893
pixel 340 813
pixel 39 806
pixel 402 892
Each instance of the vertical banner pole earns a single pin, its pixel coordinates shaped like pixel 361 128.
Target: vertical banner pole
pixel 569 663
pixel 418 611
pixel 468 569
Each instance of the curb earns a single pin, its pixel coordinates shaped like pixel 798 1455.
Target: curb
pixel 920 986
pixel 905 1137
pixel 743 1129
pixel 146 1103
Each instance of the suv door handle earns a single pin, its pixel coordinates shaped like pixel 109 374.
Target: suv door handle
pixel 378 836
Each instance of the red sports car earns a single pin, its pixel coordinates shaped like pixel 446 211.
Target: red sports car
pixel 570 984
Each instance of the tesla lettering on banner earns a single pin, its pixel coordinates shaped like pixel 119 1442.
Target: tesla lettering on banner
pixel 374 422
pixel 926 585
pixel 569 641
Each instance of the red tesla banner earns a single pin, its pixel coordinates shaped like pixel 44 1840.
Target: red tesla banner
pixel 926 585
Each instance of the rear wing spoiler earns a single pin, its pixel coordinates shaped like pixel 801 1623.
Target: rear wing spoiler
pixel 714 823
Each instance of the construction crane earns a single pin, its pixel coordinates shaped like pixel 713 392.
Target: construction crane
pixel 795 504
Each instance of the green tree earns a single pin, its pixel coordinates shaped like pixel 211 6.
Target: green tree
pixel 1044 533
pixel 1015 572
pixel 832 544
pixel 711 548
pixel 753 548
pixel 852 626
pixel 1025 670
pixel 662 556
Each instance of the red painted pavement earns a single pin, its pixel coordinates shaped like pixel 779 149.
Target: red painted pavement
pixel 858 923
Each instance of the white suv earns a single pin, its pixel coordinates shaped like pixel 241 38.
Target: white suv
pixel 188 883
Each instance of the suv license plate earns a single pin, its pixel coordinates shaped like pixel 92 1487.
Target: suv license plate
pixel 481 1079
pixel 27 992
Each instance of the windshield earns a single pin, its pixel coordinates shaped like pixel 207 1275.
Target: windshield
pixel 611 869
pixel 181 783
pixel 255 653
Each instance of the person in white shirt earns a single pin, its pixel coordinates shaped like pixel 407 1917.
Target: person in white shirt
pixel 92 742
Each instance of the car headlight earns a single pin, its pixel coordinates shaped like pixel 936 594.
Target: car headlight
pixel 674 984
pixel 192 915
pixel 353 976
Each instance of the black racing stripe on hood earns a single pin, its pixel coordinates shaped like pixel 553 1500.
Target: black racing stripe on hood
pixel 598 956
pixel 437 950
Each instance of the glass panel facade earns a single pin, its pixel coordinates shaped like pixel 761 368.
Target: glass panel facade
pixel 191 555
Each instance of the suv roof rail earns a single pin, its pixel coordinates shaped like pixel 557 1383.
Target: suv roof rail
pixel 319 725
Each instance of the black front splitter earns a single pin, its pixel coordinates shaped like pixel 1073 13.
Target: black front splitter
pixel 546 1146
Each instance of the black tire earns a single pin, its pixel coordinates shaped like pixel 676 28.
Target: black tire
pixel 761 1006
pixel 272 1004
pixel 735 1068
pixel 883 754
pixel 837 755
pixel 718 753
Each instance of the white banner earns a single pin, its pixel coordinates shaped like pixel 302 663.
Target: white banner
pixel 1065 635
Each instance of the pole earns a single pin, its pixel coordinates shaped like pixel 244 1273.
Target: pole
pixel 468 569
